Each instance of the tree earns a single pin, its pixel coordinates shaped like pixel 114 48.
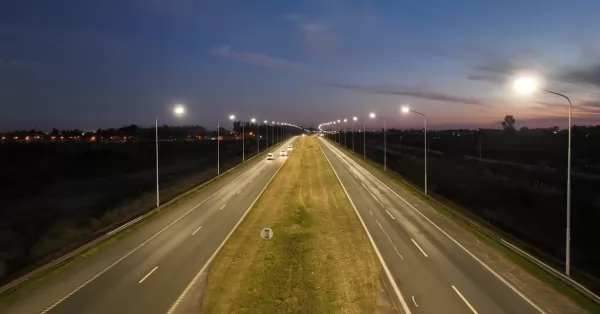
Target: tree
pixel 524 129
pixel 509 123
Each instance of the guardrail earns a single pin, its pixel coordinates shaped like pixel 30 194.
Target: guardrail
pixel 59 261
pixel 549 269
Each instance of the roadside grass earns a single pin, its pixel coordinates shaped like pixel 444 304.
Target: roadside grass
pixel 319 259
pixel 533 269
pixel 21 290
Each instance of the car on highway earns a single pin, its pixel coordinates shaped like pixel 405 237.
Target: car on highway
pixel 270 156
pixel 283 153
pixel 290 146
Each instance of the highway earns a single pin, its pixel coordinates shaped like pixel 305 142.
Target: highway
pixel 433 272
pixel 148 270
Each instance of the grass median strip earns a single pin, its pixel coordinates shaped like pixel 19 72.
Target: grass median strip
pixel 319 259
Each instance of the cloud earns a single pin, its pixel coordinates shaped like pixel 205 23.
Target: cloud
pixel 589 75
pixel 256 58
pixel 312 27
pixel 415 93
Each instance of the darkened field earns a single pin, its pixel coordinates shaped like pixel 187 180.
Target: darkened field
pixel 57 196
pixel 513 187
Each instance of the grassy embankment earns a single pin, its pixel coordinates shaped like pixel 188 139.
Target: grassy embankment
pixel 319 260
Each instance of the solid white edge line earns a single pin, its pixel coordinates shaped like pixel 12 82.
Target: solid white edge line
pixel 148 275
pixel 223 206
pixel 141 245
pixel 453 240
pixel 196 230
pixel 464 300
pixel 195 279
pixel 417 245
pixel 383 264
pixel 390 214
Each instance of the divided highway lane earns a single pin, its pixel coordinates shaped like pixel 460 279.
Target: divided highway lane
pixel 147 271
pixel 433 273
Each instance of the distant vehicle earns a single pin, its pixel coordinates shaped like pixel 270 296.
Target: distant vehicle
pixel 283 153
pixel 270 156
pixel 290 146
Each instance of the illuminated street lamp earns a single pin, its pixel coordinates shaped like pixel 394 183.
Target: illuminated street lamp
pixel 266 123
pixel 253 120
pixel 406 109
pixel 345 120
pixel 178 110
pixel 373 116
pixel 527 85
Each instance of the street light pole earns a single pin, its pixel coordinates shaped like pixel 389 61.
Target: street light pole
pixel 243 143
pixel 345 135
pixel 157 185
pixel 527 85
pixel 353 123
pixel 178 110
pixel 218 148
pixel 406 110
pixel 364 140
pixel 372 115
pixel 568 231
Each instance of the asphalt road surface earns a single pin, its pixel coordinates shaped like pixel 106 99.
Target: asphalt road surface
pixel 433 273
pixel 148 270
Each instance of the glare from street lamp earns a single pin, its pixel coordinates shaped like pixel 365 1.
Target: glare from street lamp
pixel 231 117
pixel 338 121
pixel 405 109
pixel 372 115
pixel 345 120
pixel 179 110
pixel 265 122
pixel 525 85
pixel 354 118
pixel 252 120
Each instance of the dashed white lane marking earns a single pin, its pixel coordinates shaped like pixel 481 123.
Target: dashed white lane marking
pixel 250 181
pixel 390 214
pixel 372 195
pixel 464 300
pixel 359 167
pixel 223 206
pixel 355 176
pixel 395 249
pixel 238 192
pixel 148 274
pixel 420 249
pixel 371 212
pixel 196 230
pixel 414 301
pixel 258 174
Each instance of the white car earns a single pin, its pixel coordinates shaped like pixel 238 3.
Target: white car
pixel 290 146
pixel 283 153
pixel 270 156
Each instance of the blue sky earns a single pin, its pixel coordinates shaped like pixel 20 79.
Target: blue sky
pixel 107 63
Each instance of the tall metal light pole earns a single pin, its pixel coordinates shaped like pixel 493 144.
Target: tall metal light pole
pixel 253 120
pixel 364 139
pixel 353 122
pixel 407 110
pixel 527 85
pixel 266 132
pixel 345 135
pixel 179 110
pixel 339 135
pixel 372 115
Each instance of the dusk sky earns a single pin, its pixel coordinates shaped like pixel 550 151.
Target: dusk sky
pixel 108 63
